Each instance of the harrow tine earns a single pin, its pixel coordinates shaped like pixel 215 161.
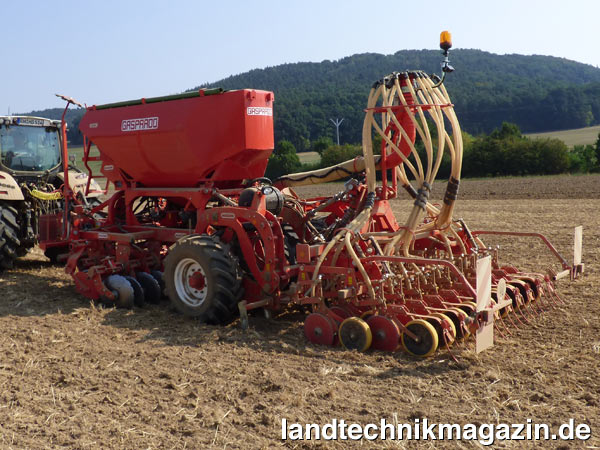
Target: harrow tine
pixel 523 314
pixel 538 306
pixel 558 298
pixel 544 301
pixel 530 309
pixel 516 314
pixel 554 293
pixel 448 349
pixel 527 313
pixel 466 332
pixel 501 320
pixel 498 329
pixel 509 315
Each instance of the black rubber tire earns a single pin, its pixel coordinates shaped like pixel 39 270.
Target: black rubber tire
pixel 9 235
pixel 290 241
pixel 159 277
pixel 221 277
pixel 152 291
pixel 138 291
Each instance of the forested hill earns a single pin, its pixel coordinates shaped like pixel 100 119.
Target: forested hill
pixel 538 93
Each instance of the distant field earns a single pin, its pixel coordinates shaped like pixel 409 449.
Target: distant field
pixel 78 152
pixel 309 157
pixel 579 136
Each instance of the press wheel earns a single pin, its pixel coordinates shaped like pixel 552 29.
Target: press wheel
pixel 427 342
pixel 319 329
pixel 355 334
pixel 440 329
pixel 385 332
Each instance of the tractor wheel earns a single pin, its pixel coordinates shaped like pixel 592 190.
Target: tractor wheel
pixel 202 279
pixel 9 236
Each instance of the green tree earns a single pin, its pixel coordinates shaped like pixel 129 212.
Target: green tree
pixel 322 144
pixel 507 131
pixel 507 152
pixel 283 160
pixel 74 136
pixel 340 153
pixel 583 159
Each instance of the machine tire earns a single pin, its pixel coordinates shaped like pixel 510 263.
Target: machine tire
pixel 138 291
pixel 151 287
pixel 9 236
pixel 123 289
pixel 217 287
pixel 159 277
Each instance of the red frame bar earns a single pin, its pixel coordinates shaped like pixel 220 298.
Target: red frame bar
pixel 562 260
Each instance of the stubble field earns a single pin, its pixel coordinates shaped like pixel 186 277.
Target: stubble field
pixel 75 375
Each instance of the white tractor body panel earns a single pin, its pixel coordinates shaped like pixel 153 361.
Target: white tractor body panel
pixel 9 189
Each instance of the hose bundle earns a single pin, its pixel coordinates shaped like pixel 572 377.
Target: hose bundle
pixel 399 107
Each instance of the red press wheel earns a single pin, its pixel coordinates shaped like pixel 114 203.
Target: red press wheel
pixel 319 329
pixel 386 335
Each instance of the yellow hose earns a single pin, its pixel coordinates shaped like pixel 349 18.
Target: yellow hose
pixel 45 196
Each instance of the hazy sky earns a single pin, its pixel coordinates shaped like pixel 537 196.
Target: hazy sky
pixel 104 51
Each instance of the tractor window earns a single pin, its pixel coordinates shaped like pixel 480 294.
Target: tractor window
pixel 29 149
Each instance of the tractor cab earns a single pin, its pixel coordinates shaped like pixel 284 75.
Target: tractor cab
pixel 29 145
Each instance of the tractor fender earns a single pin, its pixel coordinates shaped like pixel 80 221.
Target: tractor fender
pixel 9 189
pixel 78 182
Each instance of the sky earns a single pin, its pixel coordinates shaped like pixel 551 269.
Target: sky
pixel 105 51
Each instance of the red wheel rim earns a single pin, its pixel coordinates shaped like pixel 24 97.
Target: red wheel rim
pixel 386 335
pixel 319 329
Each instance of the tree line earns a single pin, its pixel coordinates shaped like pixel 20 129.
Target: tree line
pixel 503 152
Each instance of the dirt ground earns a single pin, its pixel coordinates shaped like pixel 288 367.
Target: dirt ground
pixel 74 375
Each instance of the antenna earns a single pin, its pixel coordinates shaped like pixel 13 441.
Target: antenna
pixel 337 122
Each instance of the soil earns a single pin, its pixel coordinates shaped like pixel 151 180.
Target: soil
pixel 75 375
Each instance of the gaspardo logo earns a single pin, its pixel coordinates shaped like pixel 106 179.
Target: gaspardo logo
pixel 259 111
pixel 146 123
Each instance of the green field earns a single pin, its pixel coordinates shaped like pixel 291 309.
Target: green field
pixel 309 157
pixel 579 136
pixel 78 152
